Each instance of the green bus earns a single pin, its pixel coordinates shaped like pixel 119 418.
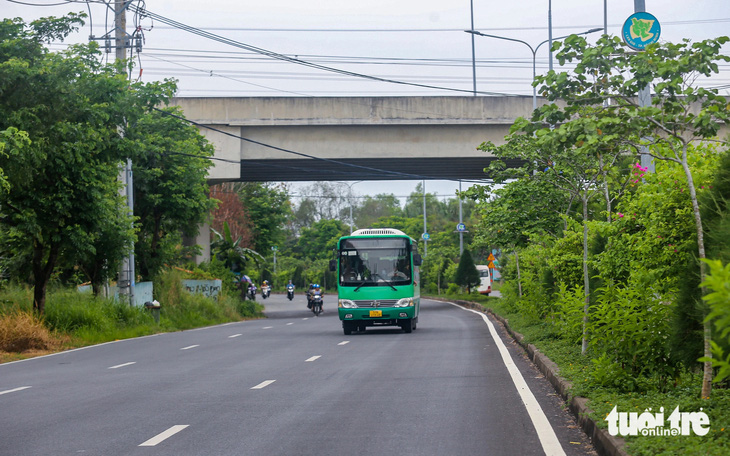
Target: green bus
pixel 377 279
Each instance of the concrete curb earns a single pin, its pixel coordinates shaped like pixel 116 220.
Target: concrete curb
pixel 604 443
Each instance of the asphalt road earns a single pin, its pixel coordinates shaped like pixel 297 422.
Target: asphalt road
pixel 291 384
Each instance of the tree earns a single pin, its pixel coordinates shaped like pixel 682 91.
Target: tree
pixel 414 204
pixel 268 208
pixel 318 241
pixel 231 253
pixel 231 210
pixel 12 142
pixel 70 105
pixel 607 80
pixel 171 191
pixel 511 214
pixel 304 216
pixel 466 273
pixel 327 200
pixel 372 208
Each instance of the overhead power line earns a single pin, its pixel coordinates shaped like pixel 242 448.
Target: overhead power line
pixel 275 55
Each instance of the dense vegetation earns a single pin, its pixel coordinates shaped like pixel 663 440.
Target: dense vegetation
pixel 617 271
pixel 613 270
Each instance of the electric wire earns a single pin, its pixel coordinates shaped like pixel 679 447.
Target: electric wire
pixel 277 56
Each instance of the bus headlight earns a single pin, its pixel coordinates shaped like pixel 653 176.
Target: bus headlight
pixel 404 302
pixel 347 304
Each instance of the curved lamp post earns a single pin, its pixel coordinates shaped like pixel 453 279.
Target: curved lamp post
pixel 533 50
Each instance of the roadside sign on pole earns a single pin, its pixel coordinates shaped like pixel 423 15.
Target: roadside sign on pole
pixel 640 30
pixel 426 236
pixel 461 227
pixel 491 265
pixel 491 258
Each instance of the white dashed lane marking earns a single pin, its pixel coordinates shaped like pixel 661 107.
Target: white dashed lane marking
pixel 14 390
pixel 313 358
pixel 344 342
pixel 164 435
pixel 263 384
pixel 188 348
pixel 122 365
pixel 235 335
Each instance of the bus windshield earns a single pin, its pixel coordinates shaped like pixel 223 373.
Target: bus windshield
pixel 375 262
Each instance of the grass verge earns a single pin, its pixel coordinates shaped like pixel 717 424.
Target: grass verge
pixel 685 393
pixel 73 319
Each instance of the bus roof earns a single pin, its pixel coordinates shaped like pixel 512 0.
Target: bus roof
pixel 378 232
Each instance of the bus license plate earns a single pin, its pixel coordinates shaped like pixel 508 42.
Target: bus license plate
pixel 376 313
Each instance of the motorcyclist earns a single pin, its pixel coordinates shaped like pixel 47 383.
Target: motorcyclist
pixel 290 289
pixel 314 288
pixel 265 289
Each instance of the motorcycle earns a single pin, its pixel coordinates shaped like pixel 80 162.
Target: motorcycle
pixel 316 302
pixel 290 292
pixel 265 291
pixel 252 292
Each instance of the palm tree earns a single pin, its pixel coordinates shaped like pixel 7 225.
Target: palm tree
pixel 230 252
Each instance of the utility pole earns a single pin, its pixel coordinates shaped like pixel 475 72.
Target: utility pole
pixel 473 55
pixel 121 43
pixel 550 35
pixel 461 233
pixel 425 231
pixel 644 100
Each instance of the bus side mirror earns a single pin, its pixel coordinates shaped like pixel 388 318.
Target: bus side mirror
pixel 417 260
pixel 333 265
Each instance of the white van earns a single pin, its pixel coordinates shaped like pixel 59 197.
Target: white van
pixel 485 287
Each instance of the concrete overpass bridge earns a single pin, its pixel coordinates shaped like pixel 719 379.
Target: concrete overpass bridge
pixel 352 138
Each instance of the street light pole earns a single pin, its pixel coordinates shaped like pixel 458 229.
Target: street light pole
pixel 473 54
pixel 534 53
pixel 351 220
pixel 550 34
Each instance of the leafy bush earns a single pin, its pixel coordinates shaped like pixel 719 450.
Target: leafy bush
pixel 568 314
pixel 718 281
pixel 629 326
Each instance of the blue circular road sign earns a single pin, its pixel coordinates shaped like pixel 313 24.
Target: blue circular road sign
pixel 641 30
pixel 460 227
pixel 426 236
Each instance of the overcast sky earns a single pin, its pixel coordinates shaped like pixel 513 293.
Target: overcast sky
pixel 414 41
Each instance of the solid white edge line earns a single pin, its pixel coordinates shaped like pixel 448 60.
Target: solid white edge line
pixel 189 347
pixel 15 390
pixel 164 435
pixel 263 384
pixel 313 358
pixel 545 432
pixel 122 365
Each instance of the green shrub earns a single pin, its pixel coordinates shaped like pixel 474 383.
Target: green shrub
pixel 630 326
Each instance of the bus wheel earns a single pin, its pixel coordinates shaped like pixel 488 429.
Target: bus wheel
pixel 361 327
pixel 407 325
pixel 347 328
